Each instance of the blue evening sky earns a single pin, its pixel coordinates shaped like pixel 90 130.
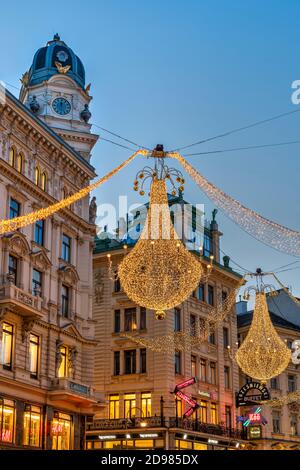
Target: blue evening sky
pixel 176 71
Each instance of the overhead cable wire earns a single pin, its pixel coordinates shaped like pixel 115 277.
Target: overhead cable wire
pixel 238 129
pixel 235 149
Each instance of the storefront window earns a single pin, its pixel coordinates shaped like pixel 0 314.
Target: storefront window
pixel 144 444
pixel 146 404
pixel 114 407
pixel 61 432
pixel 112 445
pixel 32 426
pixel 129 405
pixel 7 345
pixel 199 446
pixel 7 420
pixel 181 444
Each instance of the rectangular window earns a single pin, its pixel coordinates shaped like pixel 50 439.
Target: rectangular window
pixel 61 431
pixel 114 407
pixel 224 297
pixel 228 418
pixel 7 345
pixel 13 269
pixel 201 292
pixel 227 381
pixel 177 362
pixel 36 282
pixel 276 422
pixel 213 413
pixel 213 373
pixel 65 300
pixel 7 420
pixel 34 345
pixel 143 324
pixel 32 426
pixel 146 405
pixel 192 325
pixel 130 361
pixel 179 407
pixel 291 383
pixel 63 367
pixel 177 319
pixel 212 338
pixel 39 232
pixel 225 337
pixel 210 295
pixel 143 361
pixel 294 425
pixel 275 383
pixel 203 411
pixel 117 283
pixel 194 366
pixel 130 319
pixel 207 246
pixel 202 370
pixel 116 362
pixel 66 248
pixel 129 405
pixel 14 209
pixel 117 326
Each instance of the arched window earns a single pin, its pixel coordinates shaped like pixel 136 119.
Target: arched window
pixel 37 176
pixel 44 181
pixel 20 162
pixel 12 156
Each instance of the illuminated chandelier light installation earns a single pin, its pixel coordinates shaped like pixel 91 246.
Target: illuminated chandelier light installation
pixel 262 355
pixel 11 225
pixel 292 397
pixel 159 272
pixel 275 235
pixel 183 341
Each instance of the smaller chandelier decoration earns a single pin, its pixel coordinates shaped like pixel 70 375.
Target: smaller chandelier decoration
pixel 262 355
pixel 159 272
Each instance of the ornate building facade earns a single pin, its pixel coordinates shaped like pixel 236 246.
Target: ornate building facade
pixel 137 384
pixel 281 430
pixel 46 330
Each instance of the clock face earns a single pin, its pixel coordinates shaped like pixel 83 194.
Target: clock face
pixel 61 106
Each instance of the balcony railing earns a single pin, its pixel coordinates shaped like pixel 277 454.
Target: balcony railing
pixel 23 302
pixel 173 422
pixel 75 388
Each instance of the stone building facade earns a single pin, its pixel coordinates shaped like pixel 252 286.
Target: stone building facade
pixel 137 384
pixel 46 329
pixel 282 428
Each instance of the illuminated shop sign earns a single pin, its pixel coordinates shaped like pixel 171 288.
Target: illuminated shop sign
pixel 253 417
pixel 254 432
pixel 212 441
pixel 149 436
pixel 178 392
pixel 252 392
pixel 107 437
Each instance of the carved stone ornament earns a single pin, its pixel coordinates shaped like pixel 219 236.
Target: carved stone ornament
pixel 98 287
pixel 58 356
pixel 18 244
pixel 27 325
pixel 72 360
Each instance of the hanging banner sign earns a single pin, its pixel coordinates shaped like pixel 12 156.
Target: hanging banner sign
pixel 185 384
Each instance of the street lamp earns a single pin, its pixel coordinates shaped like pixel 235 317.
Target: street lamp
pixel 143 424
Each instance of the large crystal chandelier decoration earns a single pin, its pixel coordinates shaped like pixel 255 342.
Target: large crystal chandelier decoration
pixel 159 272
pixel 262 355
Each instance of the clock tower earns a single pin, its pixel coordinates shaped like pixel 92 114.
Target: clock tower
pixel 54 90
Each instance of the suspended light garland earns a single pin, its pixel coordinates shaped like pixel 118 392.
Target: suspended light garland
pixel 24 220
pixel 292 397
pixel 183 341
pixel 275 235
pixel 159 272
pixel 262 355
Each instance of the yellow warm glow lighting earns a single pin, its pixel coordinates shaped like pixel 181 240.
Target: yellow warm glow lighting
pixel 143 424
pixel 11 225
pixel 159 274
pixel 262 355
